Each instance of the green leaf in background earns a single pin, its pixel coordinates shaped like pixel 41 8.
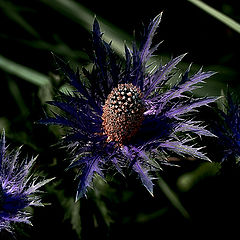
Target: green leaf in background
pixel 188 180
pixel 102 188
pixel 17 95
pixel 11 11
pixel 58 48
pixel 172 196
pixel 218 15
pixel 23 72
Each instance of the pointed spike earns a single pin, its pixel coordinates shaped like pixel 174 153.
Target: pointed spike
pixel 3 135
pixel 96 27
pixel 144 176
pixel 145 48
pixel 162 72
pixel 2 147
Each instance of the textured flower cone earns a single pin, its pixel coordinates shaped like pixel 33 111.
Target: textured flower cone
pixel 123 113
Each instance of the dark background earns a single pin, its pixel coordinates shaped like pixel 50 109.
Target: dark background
pixel 29 32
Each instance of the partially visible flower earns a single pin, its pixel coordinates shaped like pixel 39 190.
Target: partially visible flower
pixel 123 114
pixel 227 128
pixel 18 187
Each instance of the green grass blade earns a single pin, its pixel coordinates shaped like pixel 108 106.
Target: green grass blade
pixel 218 15
pixel 58 48
pixel 10 10
pixel 23 72
pixel 189 179
pixel 173 198
pixel 18 96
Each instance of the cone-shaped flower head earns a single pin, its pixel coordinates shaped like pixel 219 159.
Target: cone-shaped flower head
pixel 124 115
pixel 18 187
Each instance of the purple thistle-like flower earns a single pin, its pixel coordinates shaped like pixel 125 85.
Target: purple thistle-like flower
pixel 18 187
pixel 124 115
pixel 227 129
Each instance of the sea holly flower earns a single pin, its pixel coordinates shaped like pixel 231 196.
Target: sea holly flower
pixel 123 114
pixel 18 187
pixel 227 128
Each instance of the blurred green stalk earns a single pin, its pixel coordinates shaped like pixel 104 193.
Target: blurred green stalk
pixel 11 11
pixel 172 196
pixel 23 72
pixel 218 15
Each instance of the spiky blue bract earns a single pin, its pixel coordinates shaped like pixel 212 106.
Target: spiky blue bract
pixel 18 187
pixel 167 123
pixel 227 129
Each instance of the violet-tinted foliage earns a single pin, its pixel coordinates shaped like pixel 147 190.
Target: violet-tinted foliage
pixel 18 187
pixel 227 129
pixel 167 125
